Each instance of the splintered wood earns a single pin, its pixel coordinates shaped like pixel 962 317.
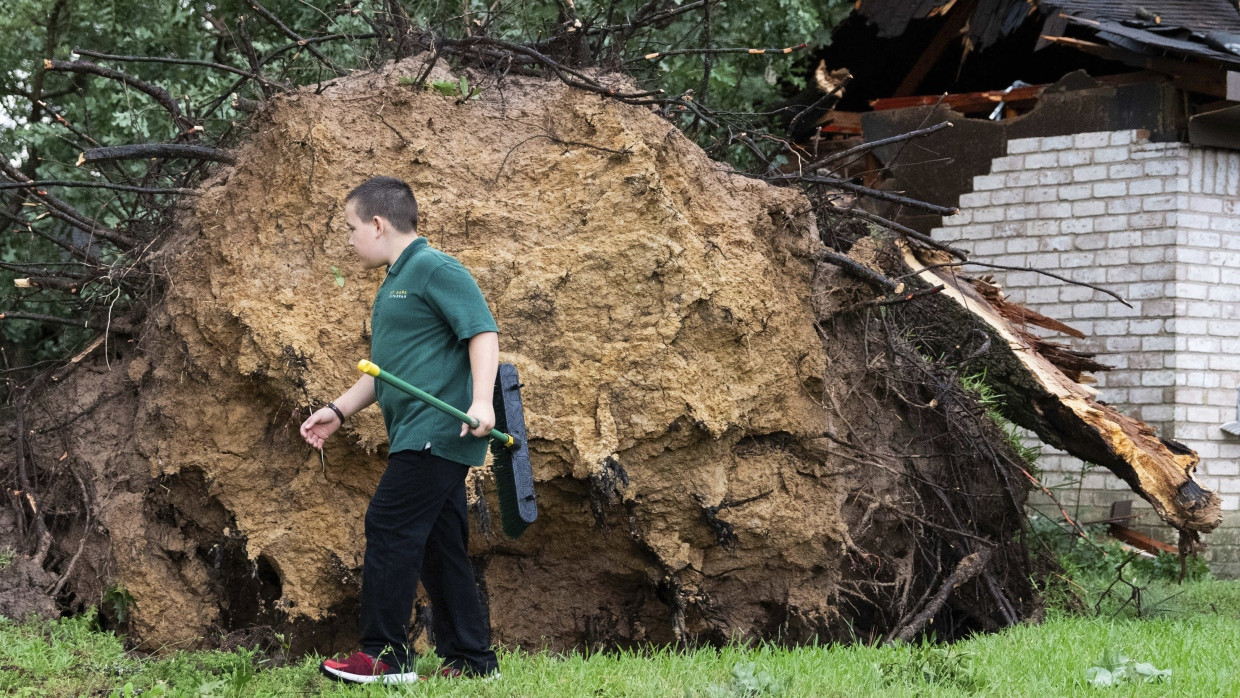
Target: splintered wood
pixel 1042 382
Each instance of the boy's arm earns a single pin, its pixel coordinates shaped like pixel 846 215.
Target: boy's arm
pixel 483 365
pixel 324 422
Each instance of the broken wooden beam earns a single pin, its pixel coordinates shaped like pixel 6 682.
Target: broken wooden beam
pixel 1042 397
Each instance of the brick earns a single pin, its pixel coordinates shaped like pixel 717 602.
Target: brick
pixel 1146 326
pixel 1204 309
pixel 1041 160
pixel 1054 210
pixel 1210 275
pixel 1089 241
pixel 1158 272
pixel 1125 170
pixel 1018 245
pixel 1089 173
pixel 1144 290
pixel 1166 202
pixel 1192 255
pixel 1089 310
pixel 1075 192
pixel 1148 220
pixel 1225 224
pixel 1056 143
pixel 989 182
pixel 1205 204
pixel 1190 291
pixel 1047 177
pixel 1126 238
pixel 1110 327
pixel 1224 363
pixel 1192 220
pixel 1037 195
pixel 1131 204
pixel 989 214
pixel 1165 168
pixel 1114 154
pixel 1225 293
pixel 1078 225
pixel 1044 227
pixel 1123 137
pixel 1095 139
pixel 1146 255
pixel 1145 187
pixel 1175 184
pixel 1019 146
pixel 1157 237
pixel 1058 243
pixel 1110 189
pixel 1162 307
pixel 1123 344
pixel 1074 158
pixel 1010 229
pixel 1112 257
pixel 1147 396
pixel 989 247
pixel 1154 378
pixel 1157 343
pixel 1123 275
pixel 1110 223
pixel 1007 196
pixel 1116 309
pixel 1077 259
pixel 975 199
pixel 1020 213
pixel 1009 163
pixel 1024 178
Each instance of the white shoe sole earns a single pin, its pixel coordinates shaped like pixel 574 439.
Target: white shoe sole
pixel 338 675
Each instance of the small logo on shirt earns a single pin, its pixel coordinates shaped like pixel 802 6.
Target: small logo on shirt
pixel 399 294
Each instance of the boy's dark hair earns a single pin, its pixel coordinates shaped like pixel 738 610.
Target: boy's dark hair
pixel 388 197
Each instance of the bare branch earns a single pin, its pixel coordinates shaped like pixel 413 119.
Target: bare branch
pixel 158 93
pixel 154 150
pixel 301 41
pixel 94 185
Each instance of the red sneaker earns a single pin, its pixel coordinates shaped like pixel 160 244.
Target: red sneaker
pixel 360 667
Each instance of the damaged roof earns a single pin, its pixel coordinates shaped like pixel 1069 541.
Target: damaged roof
pixel 1202 29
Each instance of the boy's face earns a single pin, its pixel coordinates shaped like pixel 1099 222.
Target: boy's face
pixel 363 237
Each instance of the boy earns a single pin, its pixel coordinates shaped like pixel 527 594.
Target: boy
pixel 430 326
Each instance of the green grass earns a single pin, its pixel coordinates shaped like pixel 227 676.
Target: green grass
pixel 1192 630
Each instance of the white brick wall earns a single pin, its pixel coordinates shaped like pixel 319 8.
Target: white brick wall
pixel 1158 223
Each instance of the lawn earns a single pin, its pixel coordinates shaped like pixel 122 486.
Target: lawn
pixel 1191 631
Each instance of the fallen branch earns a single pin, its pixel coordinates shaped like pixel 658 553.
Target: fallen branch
pixel 301 41
pixel 154 150
pixel 62 210
pixel 866 191
pixel 180 61
pixel 94 185
pixel 158 93
pixel 856 269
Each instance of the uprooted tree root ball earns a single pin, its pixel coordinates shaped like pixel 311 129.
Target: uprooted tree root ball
pixel 720 450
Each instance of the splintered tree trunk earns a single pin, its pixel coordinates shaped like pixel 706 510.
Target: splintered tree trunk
pixel 1040 381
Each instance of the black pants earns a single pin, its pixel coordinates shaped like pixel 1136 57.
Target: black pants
pixel 417 525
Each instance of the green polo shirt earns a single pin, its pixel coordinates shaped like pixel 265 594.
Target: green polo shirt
pixel 425 312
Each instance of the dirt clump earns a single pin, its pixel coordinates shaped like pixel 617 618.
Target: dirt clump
pixel 660 308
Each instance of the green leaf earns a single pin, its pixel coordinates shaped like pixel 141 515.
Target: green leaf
pixel 338 277
pixel 447 88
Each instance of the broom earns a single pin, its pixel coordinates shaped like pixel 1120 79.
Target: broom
pixel 510 456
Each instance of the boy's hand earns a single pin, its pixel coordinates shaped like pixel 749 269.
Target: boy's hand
pixel 484 412
pixel 319 426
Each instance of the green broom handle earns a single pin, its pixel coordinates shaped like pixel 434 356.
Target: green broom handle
pixel 372 369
